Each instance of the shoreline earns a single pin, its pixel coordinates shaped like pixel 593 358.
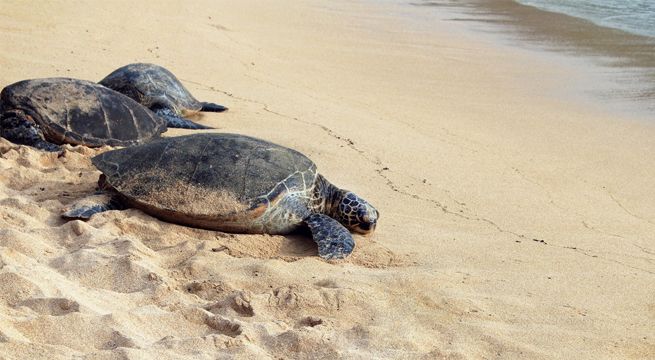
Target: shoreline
pixel 612 16
pixel 513 224
pixel 620 66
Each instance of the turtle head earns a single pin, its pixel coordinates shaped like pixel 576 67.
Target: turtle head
pixel 356 214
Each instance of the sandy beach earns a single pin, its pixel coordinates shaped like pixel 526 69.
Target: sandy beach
pixel 517 218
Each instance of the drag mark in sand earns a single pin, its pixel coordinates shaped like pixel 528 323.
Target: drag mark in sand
pixel 626 210
pixel 585 223
pixel 595 229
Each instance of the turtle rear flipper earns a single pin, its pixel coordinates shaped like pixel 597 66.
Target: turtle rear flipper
pixel 175 121
pixel 211 107
pixel 17 129
pixel 333 239
pixel 84 208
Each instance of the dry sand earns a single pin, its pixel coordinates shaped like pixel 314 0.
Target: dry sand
pixel 514 223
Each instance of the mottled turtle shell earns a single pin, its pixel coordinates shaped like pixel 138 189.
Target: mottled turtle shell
pixel 152 86
pixel 81 112
pixel 223 182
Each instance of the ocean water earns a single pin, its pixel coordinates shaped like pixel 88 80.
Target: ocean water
pixel 634 16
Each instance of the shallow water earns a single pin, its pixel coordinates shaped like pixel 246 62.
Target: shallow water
pixel 634 16
pixel 620 65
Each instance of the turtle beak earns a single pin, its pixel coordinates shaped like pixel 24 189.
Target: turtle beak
pixel 365 228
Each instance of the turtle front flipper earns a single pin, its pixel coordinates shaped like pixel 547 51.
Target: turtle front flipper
pixel 15 127
pixel 84 208
pixel 211 107
pixel 175 121
pixel 333 239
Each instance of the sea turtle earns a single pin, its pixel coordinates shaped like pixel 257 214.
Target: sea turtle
pixel 232 183
pixel 47 112
pixel 159 90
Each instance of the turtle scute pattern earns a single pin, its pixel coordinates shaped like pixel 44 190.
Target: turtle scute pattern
pixel 81 112
pixel 153 86
pixel 207 175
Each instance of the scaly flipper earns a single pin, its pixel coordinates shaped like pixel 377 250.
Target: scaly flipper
pixel 17 129
pixel 211 107
pixel 333 239
pixel 85 208
pixel 175 121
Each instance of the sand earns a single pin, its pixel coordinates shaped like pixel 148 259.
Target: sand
pixel 515 222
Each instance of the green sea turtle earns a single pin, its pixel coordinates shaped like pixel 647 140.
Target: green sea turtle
pixel 230 183
pixel 159 90
pixel 45 113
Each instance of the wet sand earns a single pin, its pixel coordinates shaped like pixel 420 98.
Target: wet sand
pixel 625 60
pixel 514 223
